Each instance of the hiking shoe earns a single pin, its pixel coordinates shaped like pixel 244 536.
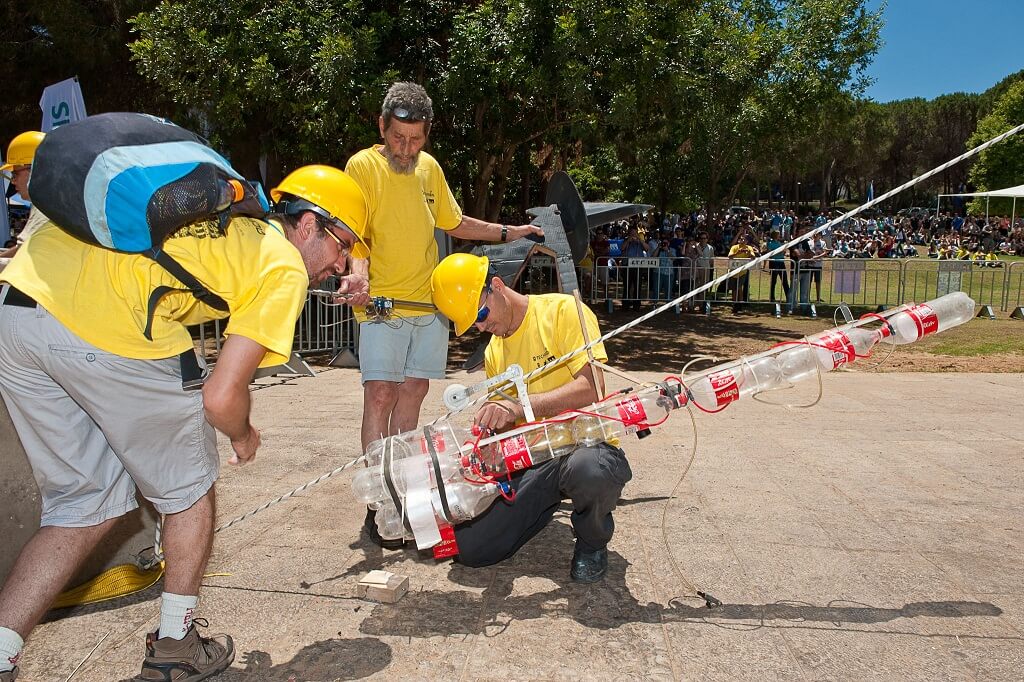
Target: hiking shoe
pixel 9 675
pixel 187 659
pixel 370 526
pixel 589 567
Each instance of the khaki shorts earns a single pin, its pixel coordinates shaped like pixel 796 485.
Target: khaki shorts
pixel 97 425
pixel 414 347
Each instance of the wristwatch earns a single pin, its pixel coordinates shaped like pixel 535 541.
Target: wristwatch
pixel 504 232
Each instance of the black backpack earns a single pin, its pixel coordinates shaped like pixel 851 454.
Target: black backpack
pixel 127 182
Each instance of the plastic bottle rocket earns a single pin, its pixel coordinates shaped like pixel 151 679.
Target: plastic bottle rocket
pixel 524 450
pixel 464 501
pixel 929 318
pixel 774 369
pixel 607 421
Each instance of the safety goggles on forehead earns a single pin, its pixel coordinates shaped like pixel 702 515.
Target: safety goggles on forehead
pixel 406 116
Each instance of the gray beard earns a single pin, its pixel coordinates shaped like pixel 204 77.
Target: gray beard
pixel 400 168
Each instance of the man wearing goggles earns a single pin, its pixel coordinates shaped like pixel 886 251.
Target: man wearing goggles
pixel 530 331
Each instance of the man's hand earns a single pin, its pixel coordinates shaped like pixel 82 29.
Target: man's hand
pixel 498 415
pixel 245 449
pixel 519 231
pixel 357 288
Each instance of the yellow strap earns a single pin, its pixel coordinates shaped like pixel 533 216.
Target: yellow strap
pixel 115 582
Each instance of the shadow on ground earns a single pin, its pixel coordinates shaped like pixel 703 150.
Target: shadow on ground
pixel 332 659
pixel 605 605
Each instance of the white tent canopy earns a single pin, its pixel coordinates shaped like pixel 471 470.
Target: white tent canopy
pixel 1005 193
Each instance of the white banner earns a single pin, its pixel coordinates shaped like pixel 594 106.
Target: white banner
pixel 62 103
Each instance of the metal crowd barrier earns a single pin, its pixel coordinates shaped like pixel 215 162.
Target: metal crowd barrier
pixel 1013 296
pixel 321 328
pixel 861 282
pixel 858 282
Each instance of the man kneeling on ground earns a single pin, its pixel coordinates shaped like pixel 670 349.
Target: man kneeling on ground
pixel 529 331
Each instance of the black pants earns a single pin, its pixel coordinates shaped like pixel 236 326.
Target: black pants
pixel 778 270
pixel 592 477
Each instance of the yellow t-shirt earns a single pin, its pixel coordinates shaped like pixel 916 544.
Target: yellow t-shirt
pixel 550 329
pixel 102 295
pixel 403 212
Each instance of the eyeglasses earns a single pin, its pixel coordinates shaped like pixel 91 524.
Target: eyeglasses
pixel 9 174
pixel 484 311
pixel 344 247
pixel 404 115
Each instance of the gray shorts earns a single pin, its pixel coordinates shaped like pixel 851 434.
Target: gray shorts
pixel 408 347
pixel 95 425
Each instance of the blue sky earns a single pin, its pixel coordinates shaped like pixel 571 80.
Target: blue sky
pixel 934 47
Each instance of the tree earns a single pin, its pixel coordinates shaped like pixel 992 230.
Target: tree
pixel 1001 165
pixel 47 41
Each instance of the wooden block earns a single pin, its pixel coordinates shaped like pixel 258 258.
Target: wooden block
pixel 382 586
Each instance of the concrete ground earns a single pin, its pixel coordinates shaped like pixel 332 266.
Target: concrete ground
pixel 877 535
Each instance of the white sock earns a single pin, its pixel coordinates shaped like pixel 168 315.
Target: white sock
pixel 176 614
pixel 11 644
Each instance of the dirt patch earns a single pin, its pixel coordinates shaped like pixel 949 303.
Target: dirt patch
pixel 665 343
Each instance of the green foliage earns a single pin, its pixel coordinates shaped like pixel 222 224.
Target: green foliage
pixel 1001 165
pixel 668 102
pixel 46 41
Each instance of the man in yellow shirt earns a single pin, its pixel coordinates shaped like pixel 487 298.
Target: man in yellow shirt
pixel 18 169
pixel 102 411
pixel 530 331
pixel 408 197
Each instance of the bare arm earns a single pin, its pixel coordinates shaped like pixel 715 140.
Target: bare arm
pixel 475 229
pixel 503 414
pixel 226 395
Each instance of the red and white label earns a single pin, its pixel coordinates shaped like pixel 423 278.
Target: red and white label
pixel 840 346
pixel 438 439
pixel 924 318
pixel 632 413
pixel 725 387
pixel 447 547
pixel 515 453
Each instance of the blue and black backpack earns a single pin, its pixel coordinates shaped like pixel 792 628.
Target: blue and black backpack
pixel 129 181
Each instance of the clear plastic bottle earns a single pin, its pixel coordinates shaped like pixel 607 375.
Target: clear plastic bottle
pixel 447 438
pixel 719 386
pixel 409 449
pixel 525 450
pixel 931 317
pixel 369 487
pixel 633 414
pixel 838 347
pixel 465 501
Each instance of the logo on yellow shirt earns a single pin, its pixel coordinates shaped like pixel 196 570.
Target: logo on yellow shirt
pixel 428 197
pixel 205 230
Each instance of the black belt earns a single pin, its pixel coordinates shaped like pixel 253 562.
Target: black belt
pixel 18 298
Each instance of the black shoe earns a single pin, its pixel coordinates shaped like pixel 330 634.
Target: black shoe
pixel 370 526
pixel 589 567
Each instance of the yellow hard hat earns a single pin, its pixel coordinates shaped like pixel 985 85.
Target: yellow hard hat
pixel 22 149
pixel 455 286
pixel 335 193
